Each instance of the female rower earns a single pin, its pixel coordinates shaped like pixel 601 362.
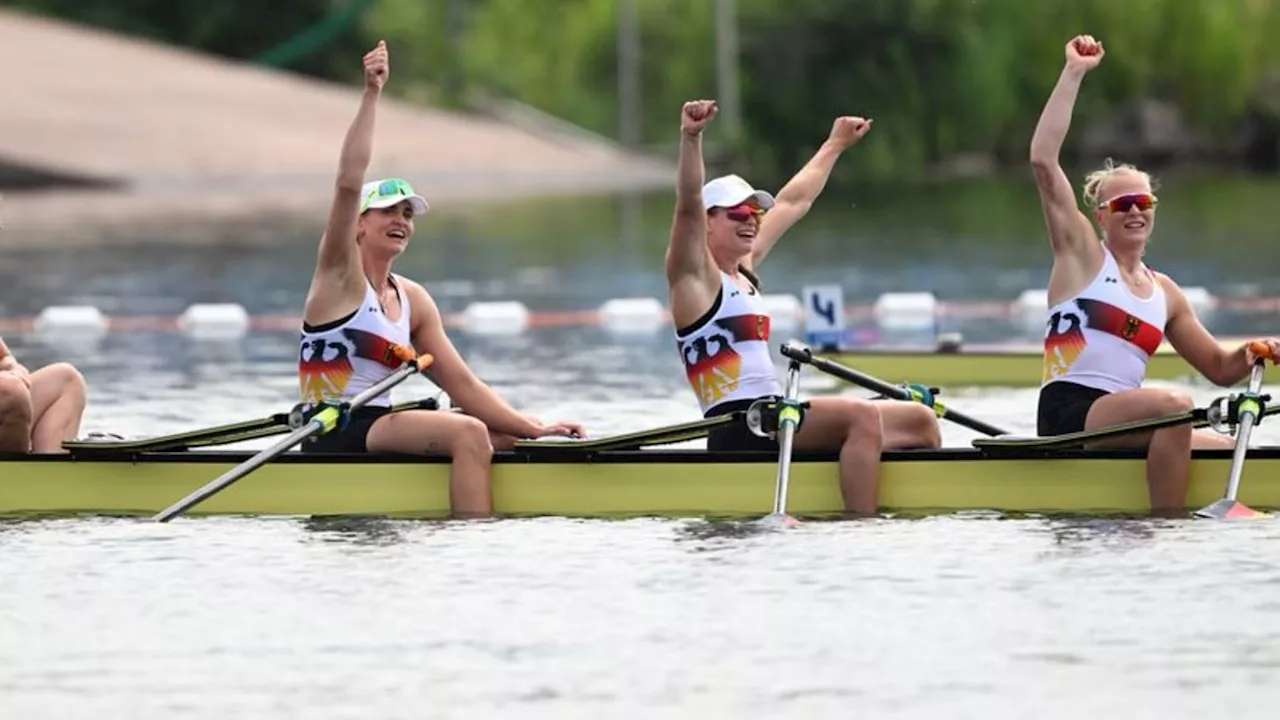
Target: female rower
pixel 358 313
pixel 1109 312
pixel 41 409
pixel 720 234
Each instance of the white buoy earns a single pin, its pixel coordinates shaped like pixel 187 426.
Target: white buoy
pixel 1032 308
pixel 84 320
pixel 215 320
pixel 1202 301
pixel 907 310
pixel 785 311
pixel 496 318
pixel 633 315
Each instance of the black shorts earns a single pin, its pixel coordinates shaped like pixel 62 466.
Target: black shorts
pixel 350 439
pixel 736 436
pixel 1064 406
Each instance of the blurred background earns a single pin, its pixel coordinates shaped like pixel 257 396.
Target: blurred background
pixel 156 155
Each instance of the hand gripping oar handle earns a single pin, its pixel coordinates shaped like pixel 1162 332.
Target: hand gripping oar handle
pixel 801 353
pixel 1250 412
pixel 319 424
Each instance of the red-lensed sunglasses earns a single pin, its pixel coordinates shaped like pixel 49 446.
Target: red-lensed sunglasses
pixel 1123 203
pixel 743 212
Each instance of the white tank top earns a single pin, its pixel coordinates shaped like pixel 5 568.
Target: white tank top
pixel 726 352
pixel 1103 337
pixel 341 359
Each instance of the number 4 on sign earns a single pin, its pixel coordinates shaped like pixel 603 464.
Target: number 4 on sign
pixel 824 315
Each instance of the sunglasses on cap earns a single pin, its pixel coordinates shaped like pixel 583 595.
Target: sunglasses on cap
pixel 387 188
pixel 743 212
pixel 1123 203
pixel 391 192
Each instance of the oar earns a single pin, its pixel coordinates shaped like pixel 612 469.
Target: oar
pixel 665 435
pixel 1250 410
pixel 276 424
pixel 322 422
pixel 802 353
pixel 165 442
pixel 1212 415
pixel 790 414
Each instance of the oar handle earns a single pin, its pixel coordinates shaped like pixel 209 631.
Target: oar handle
pixel 1261 352
pixel 802 353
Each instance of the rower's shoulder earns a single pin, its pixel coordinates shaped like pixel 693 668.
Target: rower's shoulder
pixel 420 299
pixel 1166 283
pixel 411 286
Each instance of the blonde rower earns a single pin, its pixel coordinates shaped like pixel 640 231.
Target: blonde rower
pixel 1109 312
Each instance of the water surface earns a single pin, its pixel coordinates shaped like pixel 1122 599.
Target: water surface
pixel 966 615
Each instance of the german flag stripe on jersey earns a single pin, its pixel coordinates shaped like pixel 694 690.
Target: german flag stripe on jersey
pixel 1110 319
pixel 372 346
pixel 744 328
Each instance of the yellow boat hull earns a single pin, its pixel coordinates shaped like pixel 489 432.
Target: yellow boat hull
pixel 685 483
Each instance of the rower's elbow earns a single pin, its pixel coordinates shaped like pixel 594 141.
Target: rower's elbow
pixel 1223 377
pixel 1219 372
pixel 689 209
pixel 1045 171
pixel 346 186
pixel 349 181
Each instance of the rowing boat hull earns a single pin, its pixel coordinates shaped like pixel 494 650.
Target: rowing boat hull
pixel 685 483
pixel 1006 367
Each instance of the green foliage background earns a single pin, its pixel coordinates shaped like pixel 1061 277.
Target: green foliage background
pixel 942 77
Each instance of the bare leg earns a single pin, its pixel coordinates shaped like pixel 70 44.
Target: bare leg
pixel 852 426
pixel 461 437
pixel 58 398
pixel 1168 449
pixel 909 426
pixel 15 414
pixel 1211 440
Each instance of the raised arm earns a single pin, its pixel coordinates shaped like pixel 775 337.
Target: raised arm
pixel 338 272
pixel 1069 229
pixel 687 252
pixel 797 196
pixel 451 373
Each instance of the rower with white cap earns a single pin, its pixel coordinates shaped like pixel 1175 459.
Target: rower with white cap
pixel 720 234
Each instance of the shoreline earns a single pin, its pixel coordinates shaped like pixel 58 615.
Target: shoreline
pixel 251 214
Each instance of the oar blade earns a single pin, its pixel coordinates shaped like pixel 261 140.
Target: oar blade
pixel 1250 409
pixel 779 521
pixel 1227 509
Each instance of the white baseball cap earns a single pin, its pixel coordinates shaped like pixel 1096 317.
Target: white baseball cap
pixel 729 191
pixel 385 193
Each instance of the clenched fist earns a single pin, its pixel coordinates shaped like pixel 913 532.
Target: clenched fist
pixel 696 115
pixel 1084 53
pixel 377 66
pixel 848 130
